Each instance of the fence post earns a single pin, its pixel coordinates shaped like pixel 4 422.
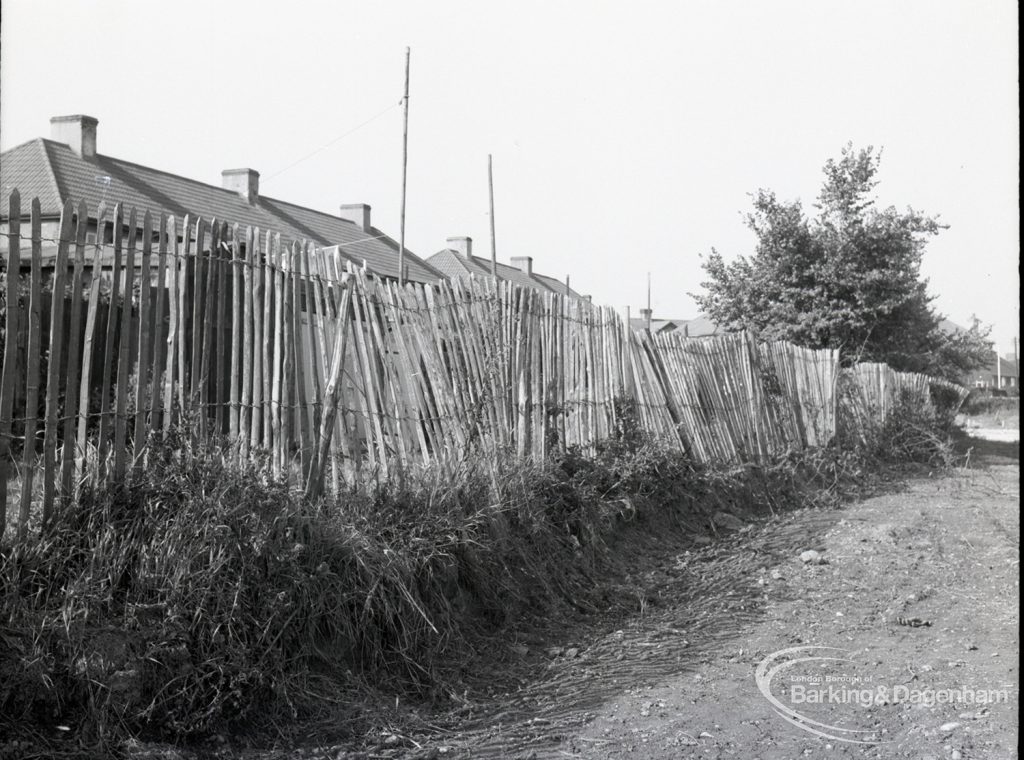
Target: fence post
pixel 108 350
pixel 142 397
pixel 124 359
pixel 60 268
pixel 28 463
pixel 10 346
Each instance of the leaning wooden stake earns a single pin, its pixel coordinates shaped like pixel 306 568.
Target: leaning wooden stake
pixel 315 476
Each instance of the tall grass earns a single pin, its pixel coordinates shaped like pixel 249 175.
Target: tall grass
pixel 204 595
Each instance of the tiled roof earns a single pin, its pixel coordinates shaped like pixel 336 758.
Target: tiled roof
pixel 700 327
pixel 27 168
pixel 54 173
pixel 657 325
pixel 452 264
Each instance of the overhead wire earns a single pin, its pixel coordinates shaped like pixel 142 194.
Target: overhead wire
pixel 332 142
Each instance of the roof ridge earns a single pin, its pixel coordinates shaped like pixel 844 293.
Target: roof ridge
pixel 165 173
pixel 23 144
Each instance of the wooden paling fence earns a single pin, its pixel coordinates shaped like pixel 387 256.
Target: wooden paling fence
pixel 129 329
pixel 871 391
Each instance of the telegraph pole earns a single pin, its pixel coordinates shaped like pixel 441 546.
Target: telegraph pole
pixel 494 249
pixel 1016 364
pixel 405 164
pixel 648 302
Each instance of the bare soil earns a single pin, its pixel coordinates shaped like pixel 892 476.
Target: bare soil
pixel 677 678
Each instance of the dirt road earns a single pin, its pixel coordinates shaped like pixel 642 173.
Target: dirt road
pixel 916 592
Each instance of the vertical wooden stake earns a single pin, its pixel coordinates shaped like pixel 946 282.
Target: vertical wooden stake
pixel 54 356
pixel 124 360
pixel 10 346
pixel 103 444
pixel 35 319
pixel 143 399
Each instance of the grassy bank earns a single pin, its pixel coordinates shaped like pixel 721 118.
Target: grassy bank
pixel 205 597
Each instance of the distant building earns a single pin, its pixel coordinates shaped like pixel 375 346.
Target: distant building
pixel 457 260
pixel 698 327
pixel 1001 372
pixel 67 166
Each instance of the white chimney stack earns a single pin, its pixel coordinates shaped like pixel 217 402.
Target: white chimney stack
pixel 523 264
pixel 358 214
pixel 77 131
pixel 462 246
pixel 245 182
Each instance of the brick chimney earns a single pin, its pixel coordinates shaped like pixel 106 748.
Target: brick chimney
pixel 462 246
pixel 77 131
pixel 358 214
pixel 523 264
pixel 245 182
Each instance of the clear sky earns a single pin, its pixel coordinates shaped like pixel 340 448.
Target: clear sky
pixel 626 136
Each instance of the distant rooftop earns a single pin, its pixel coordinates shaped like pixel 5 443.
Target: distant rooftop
pixel 67 166
pixel 455 262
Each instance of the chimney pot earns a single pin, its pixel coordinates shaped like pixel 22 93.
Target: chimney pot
pixel 245 182
pixel 358 214
pixel 76 131
pixel 462 246
pixel 523 264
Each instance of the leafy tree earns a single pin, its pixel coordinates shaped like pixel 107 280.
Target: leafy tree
pixel 847 277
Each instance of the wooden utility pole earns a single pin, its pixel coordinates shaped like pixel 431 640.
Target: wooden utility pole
pixel 648 302
pixel 1016 364
pixel 405 164
pixel 494 249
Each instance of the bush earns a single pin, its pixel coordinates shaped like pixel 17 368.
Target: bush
pixel 981 402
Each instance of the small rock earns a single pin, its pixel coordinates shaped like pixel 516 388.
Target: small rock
pixel 728 522
pixel 521 650
pixel 571 652
pixel 701 539
pixel 391 740
pixel 947 727
pixel 555 651
pixel 776 575
pixel 955 755
pixel 811 557
pixel 971 646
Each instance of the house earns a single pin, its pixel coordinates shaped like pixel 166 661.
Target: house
pixel 698 327
pixel 1001 372
pixel 457 260
pixel 67 166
